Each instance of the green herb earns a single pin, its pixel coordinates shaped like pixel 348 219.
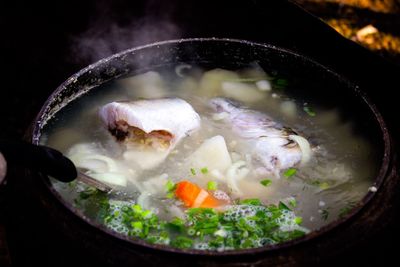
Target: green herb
pixel 290 172
pixel 170 195
pixel 159 238
pixel 137 221
pixel 191 231
pixel 345 210
pixel 309 111
pixel 248 225
pixel 138 226
pixel 94 201
pixel 204 170
pixel 298 220
pixel 251 201
pixel 211 185
pixel 88 192
pixel 177 225
pixel 321 185
pixel 324 214
pixel 137 209
pixel 283 206
pixel 292 202
pixel 170 188
pixel 193 171
pixel 266 182
pixel 324 185
pixel 182 242
pixel 203 220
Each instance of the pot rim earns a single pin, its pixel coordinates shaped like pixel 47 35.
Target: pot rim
pixel 40 121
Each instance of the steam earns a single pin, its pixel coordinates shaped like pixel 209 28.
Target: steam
pixel 108 34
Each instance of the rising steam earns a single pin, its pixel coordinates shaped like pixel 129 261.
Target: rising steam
pixel 107 34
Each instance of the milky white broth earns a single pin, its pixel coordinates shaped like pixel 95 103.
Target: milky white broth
pixel 338 175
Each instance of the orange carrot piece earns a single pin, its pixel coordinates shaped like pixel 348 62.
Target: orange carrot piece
pixel 187 192
pixel 193 196
pixel 210 202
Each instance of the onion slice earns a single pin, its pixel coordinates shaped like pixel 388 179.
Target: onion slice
pixel 304 147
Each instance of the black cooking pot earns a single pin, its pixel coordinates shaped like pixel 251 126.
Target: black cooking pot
pixel 312 82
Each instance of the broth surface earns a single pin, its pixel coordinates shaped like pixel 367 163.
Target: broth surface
pixel 338 175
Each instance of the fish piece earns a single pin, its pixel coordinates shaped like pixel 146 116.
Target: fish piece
pixel 273 145
pixel 160 123
pixel 150 129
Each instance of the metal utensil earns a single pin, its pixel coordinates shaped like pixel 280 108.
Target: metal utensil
pixel 86 179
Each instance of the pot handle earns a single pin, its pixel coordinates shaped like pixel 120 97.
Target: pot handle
pixel 39 158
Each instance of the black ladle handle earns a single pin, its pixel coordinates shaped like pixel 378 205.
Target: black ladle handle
pixel 39 158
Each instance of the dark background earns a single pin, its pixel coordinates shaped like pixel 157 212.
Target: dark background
pixel 42 44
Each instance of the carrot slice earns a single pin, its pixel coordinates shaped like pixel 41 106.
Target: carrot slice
pixel 193 196
pixel 187 192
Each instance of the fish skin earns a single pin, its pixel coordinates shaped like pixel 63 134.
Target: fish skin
pixel 271 146
pixel 172 115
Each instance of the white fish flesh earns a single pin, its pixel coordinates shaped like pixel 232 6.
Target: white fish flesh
pixel 162 121
pixel 150 128
pixel 272 144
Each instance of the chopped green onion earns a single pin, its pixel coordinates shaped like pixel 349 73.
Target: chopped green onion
pixel 170 186
pixel 309 111
pixel 137 225
pixel 204 170
pixel 324 214
pixel 298 220
pixel 324 185
pixel 292 202
pixel 137 209
pixel 282 206
pixel 290 172
pixel 177 225
pixel 266 182
pixel 251 201
pixel 193 171
pixel 88 192
pixel 147 213
pixel 191 231
pixel 212 185
pixel 231 228
pixel 321 185
pixel 108 219
pixel 345 210
pixel 182 242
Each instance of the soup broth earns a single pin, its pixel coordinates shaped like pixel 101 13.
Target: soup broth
pixel 256 205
